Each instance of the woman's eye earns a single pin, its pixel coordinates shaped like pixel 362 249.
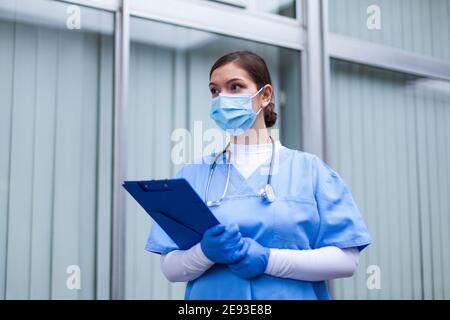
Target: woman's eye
pixel 214 91
pixel 235 87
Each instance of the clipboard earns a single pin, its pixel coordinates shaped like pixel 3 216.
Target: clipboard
pixel 176 207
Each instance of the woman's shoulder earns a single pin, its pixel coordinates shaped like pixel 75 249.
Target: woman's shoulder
pixel 308 162
pixel 301 156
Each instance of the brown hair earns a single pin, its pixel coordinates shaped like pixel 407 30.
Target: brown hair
pixel 258 71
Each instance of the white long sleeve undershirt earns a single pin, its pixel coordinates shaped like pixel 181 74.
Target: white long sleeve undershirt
pixel 308 265
pixel 185 265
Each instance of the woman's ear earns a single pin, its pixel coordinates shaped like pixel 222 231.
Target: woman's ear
pixel 266 96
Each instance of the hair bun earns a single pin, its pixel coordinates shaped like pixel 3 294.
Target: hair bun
pixel 270 116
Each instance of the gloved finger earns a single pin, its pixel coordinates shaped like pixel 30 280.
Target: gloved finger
pixel 231 230
pixel 245 246
pixel 250 241
pixel 226 237
pixel 241 253
pixel 230 240
pixel 233 245
pixel 233 227
pixel 216 230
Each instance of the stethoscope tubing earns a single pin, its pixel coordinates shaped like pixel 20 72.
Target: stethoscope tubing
pixel 213 168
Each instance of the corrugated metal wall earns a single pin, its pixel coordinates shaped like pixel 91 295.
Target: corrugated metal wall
pixel 390 140
pixel 55 161
pixel 421 26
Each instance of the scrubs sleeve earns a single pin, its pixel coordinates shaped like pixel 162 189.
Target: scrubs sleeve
pixel 341 223
pixel 158 241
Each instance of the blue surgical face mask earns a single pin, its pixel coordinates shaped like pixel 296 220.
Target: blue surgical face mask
pixel 233 112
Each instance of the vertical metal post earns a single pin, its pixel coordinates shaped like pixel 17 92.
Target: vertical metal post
pixel 325 77
pixel 313 125
pixel 326 95
pixel 316 83
pixel 121 48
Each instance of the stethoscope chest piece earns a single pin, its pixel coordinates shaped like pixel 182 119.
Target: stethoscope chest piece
pixel 212 203
pixel 268 193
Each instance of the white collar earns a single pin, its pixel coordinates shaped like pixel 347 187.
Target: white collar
pixel 239 148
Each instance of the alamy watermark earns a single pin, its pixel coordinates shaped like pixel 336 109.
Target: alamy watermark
pixel 373 21
pixel 73 281
pixel 73 21
pixel 373 281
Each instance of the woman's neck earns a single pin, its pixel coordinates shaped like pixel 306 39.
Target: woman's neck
pixel 258 136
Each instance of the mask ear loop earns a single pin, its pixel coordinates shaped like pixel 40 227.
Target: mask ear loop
pixel 258 91
pixel 263 87
pixel 259 111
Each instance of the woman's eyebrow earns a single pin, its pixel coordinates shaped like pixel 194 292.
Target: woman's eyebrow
pixel 234 79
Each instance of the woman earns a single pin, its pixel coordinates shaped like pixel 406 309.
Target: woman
pixel 279 238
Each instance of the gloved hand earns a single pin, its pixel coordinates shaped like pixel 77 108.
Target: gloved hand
pixel 222 244
pixel 255 261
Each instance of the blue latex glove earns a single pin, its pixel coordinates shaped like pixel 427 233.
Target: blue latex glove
pixel 222 244
pixel 255 261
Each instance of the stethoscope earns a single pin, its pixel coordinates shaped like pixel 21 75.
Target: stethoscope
pixel 267 192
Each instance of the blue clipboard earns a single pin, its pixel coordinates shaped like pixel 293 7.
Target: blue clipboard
pixel 176 208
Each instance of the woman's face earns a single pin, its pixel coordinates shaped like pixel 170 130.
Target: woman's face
pixel 231 79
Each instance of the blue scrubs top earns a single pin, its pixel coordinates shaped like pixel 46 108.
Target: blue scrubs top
pixel 313 209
